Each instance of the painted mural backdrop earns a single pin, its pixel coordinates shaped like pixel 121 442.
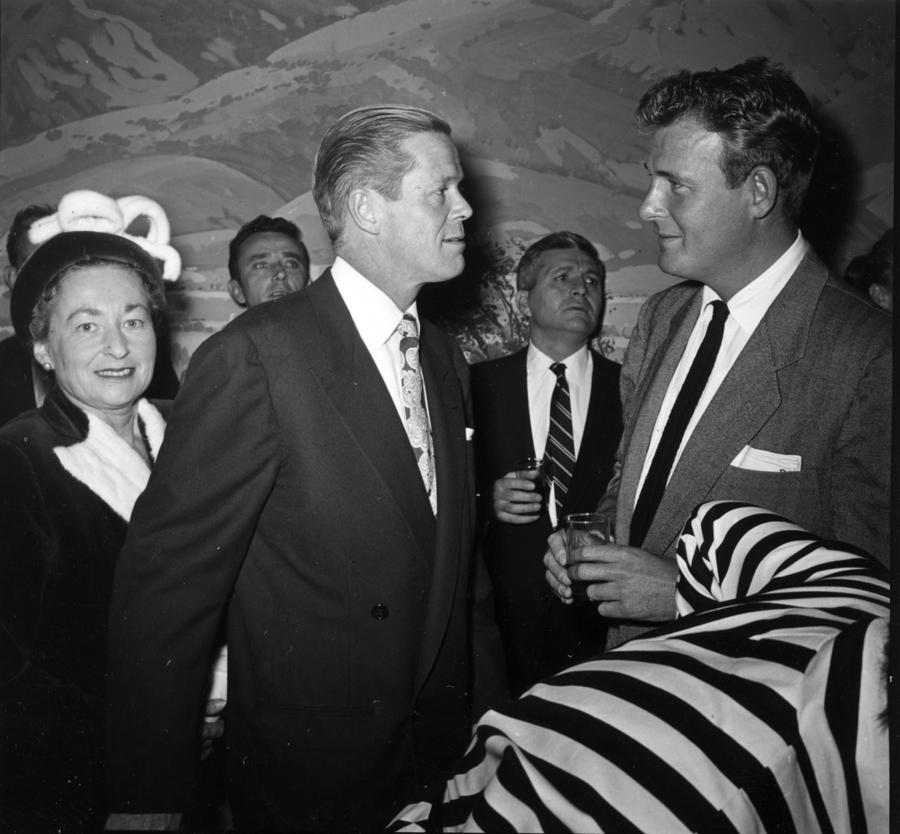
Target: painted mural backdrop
pixel 215 109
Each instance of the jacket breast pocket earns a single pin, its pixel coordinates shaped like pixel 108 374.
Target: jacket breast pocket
pixel 795 495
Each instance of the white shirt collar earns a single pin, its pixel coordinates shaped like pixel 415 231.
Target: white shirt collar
pixel 577 365
pixel 750 304
pixel 375 315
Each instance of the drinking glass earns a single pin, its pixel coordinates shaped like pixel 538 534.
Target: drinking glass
pixel 584 529
pixel 533 464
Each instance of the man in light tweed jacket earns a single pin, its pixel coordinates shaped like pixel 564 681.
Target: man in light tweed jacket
pixel 795 413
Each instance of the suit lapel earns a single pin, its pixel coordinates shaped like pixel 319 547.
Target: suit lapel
pixel 747 398
pixel 353 383
pixel 664 350
pixel 452 457
pixel 514 402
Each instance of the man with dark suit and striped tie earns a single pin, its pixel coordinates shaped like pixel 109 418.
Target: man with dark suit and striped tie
pixel 556 400
pixel 761 378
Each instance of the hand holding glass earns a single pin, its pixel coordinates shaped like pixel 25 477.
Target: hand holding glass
pixel 524 469
pixel 585 529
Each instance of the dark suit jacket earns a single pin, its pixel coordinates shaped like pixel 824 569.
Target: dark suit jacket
pixel 540 634
pixel 814 380
pixel 287 500
pixel 17 378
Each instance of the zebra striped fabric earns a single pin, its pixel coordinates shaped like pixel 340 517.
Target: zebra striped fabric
pixel 761 709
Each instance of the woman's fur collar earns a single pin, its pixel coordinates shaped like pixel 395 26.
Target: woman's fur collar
pixel 108 466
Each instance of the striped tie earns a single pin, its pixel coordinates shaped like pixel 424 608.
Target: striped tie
pixel 413 395
pixel 560 453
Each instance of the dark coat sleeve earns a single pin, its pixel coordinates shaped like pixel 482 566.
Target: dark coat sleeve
pixel 24 556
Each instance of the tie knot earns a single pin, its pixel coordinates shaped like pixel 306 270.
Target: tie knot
pixel 408 328
pixel 719 310
pixel 559 368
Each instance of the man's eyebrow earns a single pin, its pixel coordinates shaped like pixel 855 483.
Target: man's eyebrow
pixel 257 256
pixel 658 172
pixel 91 311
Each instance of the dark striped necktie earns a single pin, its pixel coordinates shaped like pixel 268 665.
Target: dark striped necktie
pixel 559 455
pixel 682 411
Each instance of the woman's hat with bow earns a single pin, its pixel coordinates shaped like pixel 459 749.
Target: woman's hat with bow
pixel 88 227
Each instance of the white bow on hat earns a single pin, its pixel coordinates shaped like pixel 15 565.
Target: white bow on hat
pixel 89 211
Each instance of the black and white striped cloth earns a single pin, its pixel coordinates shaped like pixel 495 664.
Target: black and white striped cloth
pixel 761 709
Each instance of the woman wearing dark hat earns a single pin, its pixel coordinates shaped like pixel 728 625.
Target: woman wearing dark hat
pixel 70 472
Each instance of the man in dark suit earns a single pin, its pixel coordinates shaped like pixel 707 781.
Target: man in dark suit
pixel 22 380
pixel 561 288
pixel 312 495
pixel 792 410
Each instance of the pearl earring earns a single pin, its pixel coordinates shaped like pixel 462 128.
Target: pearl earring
pixel 47 366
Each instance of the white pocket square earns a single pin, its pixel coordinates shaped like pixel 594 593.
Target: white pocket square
pixel 470 433
pixel 759 460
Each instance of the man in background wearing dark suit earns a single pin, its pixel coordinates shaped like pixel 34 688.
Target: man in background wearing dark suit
pixel 23 382
pixel 312 494
pixel 761 378
pixel 560 284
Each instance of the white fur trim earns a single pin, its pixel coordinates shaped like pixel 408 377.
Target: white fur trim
pixel 154 425
pixel 108 466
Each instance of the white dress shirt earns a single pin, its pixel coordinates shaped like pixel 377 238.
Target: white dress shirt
pixel 541 381
pixel 376 318
pixel 745 311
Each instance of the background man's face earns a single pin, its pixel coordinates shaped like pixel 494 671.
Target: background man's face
pixel 271 265
pixel 568 295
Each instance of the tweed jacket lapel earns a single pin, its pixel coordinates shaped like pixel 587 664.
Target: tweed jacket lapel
pixel 665 346
pixel 351 380
pixel 747 398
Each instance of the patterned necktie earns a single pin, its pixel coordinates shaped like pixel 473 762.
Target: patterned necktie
pixel 682 411
pixel 412 394
pixel 559 455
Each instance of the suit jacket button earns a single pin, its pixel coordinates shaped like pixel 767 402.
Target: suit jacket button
pixel 380 611
pixel 414 714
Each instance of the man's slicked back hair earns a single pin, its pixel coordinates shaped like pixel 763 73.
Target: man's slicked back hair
pixel 364 149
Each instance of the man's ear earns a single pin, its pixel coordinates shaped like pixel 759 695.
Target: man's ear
pixel 42 355
pixel 881 296
pixel 236 291
pixel 362 208
pixel 763 191
pixel 522 306
pixel 9 276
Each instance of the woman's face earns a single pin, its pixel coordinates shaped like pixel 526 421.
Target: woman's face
pixel 101 342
